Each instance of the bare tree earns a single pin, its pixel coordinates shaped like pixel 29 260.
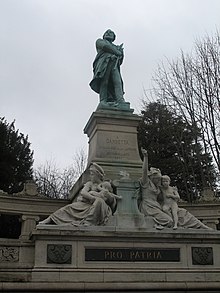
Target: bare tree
pixel 207 90
pixel 79 162
pixel 56 183
pixel 190 86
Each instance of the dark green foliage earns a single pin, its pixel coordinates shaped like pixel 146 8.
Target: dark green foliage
pixel 172 147
pixel 16 158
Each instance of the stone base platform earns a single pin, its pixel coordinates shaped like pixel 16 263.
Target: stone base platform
pixel 114 259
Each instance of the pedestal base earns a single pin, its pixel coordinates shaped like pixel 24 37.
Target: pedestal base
pixel 113 142
pixel 110 258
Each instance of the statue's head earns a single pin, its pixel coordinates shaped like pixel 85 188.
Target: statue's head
pixel 96 171
pixel 155 176
pixel 107 185
pixel 109 35
pixel 165 180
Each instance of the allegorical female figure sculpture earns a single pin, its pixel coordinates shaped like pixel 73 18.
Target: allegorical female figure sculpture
pixel 151 202
pixel 107 80
pixel 94 205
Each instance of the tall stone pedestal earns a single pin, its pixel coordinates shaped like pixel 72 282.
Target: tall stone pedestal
pixel 113 145
pixel 113 142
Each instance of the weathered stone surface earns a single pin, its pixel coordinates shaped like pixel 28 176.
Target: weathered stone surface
pixel 127 214
pixel 59 253
pixel 113 143
pixel 202 255
pixel 113 273
pixel 9 254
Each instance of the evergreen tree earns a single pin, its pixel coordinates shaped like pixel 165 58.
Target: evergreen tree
pixel 16 158
pixel 172 148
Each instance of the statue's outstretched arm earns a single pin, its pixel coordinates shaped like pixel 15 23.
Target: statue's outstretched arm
pixel 144 178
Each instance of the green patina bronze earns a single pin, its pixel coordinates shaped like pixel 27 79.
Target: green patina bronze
pixel 107 80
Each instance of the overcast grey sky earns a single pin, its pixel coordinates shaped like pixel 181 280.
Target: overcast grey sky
pixel 46 54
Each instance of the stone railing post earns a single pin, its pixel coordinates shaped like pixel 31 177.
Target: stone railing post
pixel 28 225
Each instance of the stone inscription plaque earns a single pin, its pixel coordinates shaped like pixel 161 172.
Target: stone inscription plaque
pixel 118 146
pixel 133 254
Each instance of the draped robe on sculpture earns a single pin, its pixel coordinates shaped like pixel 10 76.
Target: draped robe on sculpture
pixel 150 206
pixel 83 212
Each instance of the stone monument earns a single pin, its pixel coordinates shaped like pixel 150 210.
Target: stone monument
pixel 112 128
pixel 135 237
pixel 121 230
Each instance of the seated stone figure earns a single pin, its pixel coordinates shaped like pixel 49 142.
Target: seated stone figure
pixel 95 203
pixel 151 201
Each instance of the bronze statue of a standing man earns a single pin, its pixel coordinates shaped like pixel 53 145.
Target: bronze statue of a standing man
pixel 107 79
